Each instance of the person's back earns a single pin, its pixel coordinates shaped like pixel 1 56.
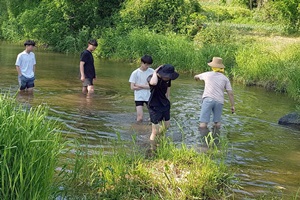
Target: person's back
pixel 215 85
pixel 213 96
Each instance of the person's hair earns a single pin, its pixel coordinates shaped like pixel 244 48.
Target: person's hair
pixel 93 42
pixel 147 59
pixel 29 42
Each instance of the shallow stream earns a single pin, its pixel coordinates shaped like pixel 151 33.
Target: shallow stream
pixel 265 155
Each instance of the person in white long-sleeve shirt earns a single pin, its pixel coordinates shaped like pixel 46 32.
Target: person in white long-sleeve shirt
pixel 213 96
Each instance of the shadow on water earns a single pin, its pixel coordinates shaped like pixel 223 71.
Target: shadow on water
pixel 265 154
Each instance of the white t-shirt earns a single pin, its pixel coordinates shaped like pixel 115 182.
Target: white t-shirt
pixel 215 85
pixel 26 61
pixel 140 77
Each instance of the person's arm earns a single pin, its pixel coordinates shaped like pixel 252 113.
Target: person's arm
pixel 81 66
pixel 197 77
pixel 231 99
pixel 168 93
pixel 33 68
pixel 18 70
pixel 154 79
pixel 134 86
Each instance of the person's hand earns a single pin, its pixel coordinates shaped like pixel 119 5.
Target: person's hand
pixel 232 109
pixel 156 70
pixel 82 78
pixel 138 87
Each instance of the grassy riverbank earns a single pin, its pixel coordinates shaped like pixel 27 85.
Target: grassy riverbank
pixel 270 61
pixel 256 45
pixel 36 163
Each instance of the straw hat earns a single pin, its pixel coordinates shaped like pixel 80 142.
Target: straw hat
pixel 216 62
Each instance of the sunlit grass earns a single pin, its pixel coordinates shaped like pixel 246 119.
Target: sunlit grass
pixel 174 49
pixel 270 65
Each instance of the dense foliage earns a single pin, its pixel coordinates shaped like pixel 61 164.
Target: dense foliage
pixel 193 30
pixel 65 25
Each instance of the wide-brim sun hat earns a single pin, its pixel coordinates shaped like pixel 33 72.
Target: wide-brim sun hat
pixel 216 62
pixel 168 71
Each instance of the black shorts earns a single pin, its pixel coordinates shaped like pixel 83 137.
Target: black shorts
pixel 157 115
pixel 87 82
pixel 141 103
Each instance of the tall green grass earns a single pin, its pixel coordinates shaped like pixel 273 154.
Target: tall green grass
pixel 178 50
pixel 173 49
pixel 29 146
pixel 270 66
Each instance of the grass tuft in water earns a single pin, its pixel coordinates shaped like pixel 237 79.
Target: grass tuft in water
pixel 171 172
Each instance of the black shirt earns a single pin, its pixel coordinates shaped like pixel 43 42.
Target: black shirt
pixel 158 98
pixel 89 68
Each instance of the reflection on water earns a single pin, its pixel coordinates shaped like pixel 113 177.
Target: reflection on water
pixel 266 155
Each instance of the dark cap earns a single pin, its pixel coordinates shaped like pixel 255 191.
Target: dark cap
pixel 29 42
pixel 168 71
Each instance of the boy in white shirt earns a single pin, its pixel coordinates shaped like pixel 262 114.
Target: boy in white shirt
pixel 25 65
pixel 140 86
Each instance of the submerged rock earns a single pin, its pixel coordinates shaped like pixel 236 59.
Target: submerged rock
pixel 291 119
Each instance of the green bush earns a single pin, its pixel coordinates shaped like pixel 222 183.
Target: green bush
pixel 11 30
pixel 160 15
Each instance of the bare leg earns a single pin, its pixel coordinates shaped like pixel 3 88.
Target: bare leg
pixel 155 131
pixel 203 131
pixel 30 90
pixel 84 90
pixel 139 113
pixel 216 128
pixel 90 89
pixel 217 124
pixel 203 125
pixel 158 129
pixel 166 124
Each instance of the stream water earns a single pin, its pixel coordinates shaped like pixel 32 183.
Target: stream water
pixel 266 156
